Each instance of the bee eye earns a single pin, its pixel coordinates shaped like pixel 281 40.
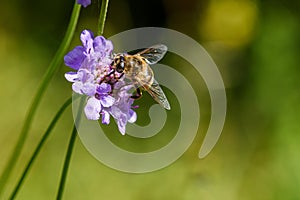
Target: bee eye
pixel 120 65
pixel 122 59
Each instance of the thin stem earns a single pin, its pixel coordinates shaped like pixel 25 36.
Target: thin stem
pixel 66 164
pixel 39 146
pixel 53 67
pixel 69 153
pixel 102 16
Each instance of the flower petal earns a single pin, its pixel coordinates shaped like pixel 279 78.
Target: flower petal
pixel 75 57
pixel 89 89
pixel 90 63
pixel 132 116
pixel 84 3
pixel 92 109
pixel 105 117
pixel 99 43
pixel 71 76
pixel 85 75
pixel 122 121
pixel 115 112
pixel 77 87
pixel 86 38
pixel 107 100
pixel 109 46
pixel 104 88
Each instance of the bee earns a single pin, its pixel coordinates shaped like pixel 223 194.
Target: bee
pixel 137 69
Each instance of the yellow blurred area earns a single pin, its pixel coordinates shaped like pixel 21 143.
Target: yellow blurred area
pixel 230 22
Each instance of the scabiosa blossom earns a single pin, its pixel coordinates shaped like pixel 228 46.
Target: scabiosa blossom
pixel 108 94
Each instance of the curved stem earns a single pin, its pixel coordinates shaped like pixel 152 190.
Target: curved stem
pixel 102 16
pixel 69 152
pixel 56 62
pixel 39 146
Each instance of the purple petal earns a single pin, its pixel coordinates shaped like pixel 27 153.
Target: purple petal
pixel 89 89
pixel 99 43
pixel 89 63
pixel 102 47
pixel 109 45
pixel 86 38
pixel 132 116
pixel 84 3
pixel 85 75
pixel 77 87
pixel 130 101
pixel 71 76
pixel 115 112
pixel 122 121
pixel 104 88
pixel 105 62
pixel 92 109
pixel 107 100
pixel 75 57
pixel 105 117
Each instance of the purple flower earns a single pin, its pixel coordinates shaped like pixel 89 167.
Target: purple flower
pixel 84 3
pixel 107 94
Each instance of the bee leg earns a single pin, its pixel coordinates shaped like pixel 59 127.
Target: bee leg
pixel 138 94
pixel 112 71
pixel 107 75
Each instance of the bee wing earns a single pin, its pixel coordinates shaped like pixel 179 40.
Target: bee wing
pixel 154 54
pixel 157 94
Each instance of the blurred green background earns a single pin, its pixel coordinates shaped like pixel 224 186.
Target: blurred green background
pixel 256 46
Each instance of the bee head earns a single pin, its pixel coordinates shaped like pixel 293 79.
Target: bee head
pixel 119 63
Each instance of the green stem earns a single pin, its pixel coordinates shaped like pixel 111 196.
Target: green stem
pixel 39 146
pixel 53 67
pixel 66 164
pixel 102 16
pixel 69 152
